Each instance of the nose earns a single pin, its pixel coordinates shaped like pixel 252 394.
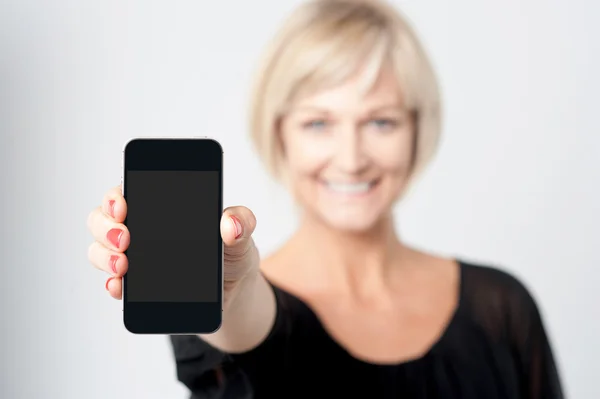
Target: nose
pixel 350 156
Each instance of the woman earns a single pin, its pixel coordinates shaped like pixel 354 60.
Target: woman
pixel 346 113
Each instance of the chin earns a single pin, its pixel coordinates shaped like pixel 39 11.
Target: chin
pixel 351 222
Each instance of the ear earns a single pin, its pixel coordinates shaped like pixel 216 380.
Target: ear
pixel 414 120
pixel 280 150
pixel 279 137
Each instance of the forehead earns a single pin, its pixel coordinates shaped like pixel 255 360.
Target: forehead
pixel 357 93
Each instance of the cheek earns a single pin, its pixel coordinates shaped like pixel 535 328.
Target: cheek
pixel 393 155
pixel 305 156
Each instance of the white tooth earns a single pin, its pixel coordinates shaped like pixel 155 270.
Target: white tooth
pixel 349 188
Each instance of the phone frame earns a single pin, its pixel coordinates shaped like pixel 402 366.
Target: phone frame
pixel 174 153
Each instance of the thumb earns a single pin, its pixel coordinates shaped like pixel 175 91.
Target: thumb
pixel 237 225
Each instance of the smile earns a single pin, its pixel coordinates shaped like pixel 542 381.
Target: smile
pixel 356 188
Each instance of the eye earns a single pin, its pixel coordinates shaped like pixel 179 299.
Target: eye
pixel 317 124
pixel 383 124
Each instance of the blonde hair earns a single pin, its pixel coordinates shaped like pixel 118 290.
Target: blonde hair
pixel 325 42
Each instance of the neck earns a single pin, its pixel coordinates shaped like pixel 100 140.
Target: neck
pixel 348 260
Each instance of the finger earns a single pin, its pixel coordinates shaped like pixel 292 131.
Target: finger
pixel 240 253
pixel 114 286
pixel 112 262
pixel 106 231
pixel 237 225
pixel 114 205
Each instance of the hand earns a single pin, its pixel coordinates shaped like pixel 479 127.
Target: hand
pixel 112 238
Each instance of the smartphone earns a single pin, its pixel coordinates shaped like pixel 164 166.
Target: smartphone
pixel 174 193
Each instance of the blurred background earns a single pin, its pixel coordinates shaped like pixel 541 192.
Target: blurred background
pixel 515 183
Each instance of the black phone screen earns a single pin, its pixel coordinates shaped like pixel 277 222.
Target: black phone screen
pixel 172 217
pixel 173 190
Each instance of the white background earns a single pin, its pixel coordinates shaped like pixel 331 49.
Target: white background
pixel 515 183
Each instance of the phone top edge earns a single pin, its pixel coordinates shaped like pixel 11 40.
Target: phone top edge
pixel 168 138
pixel 171 138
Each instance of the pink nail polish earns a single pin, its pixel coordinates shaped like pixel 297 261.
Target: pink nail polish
pixel 113 263
pixel 237 226
pixel 114 236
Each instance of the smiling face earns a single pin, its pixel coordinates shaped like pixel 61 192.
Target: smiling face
pixel 347 153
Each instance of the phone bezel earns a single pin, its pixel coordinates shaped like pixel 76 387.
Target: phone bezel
pixel 174 318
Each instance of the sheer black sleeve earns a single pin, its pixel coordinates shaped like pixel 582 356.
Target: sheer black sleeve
pixel 533 349
pixel 207 372
pixel 211 374
pixel 508 311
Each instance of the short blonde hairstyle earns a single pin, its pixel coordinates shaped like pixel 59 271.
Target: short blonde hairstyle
pixel 324 43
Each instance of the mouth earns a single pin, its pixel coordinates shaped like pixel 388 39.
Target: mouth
pixel 351 189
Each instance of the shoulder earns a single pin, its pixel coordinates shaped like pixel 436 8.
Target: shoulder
pixel 493 283
pixel 497 299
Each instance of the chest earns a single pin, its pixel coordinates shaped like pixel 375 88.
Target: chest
pixel 465 365
pixel 401 331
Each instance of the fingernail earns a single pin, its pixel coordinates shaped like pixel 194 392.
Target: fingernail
pixel 114 236
pixel 237 226
pixel 113 263
pixel 111 208
pixel 108 281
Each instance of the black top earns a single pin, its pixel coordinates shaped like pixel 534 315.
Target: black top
pixel 495 347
